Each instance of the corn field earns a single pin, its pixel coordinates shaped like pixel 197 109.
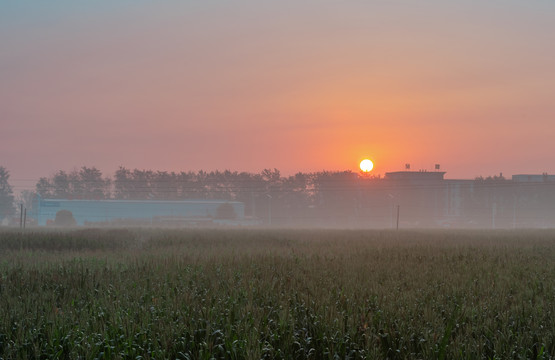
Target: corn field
pixel 276 294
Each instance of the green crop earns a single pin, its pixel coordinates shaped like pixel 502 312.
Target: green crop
pixel 263 294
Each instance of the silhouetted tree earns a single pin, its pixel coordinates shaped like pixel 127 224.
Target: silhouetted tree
pixel 44 188
pixel 87 183
pixel 336 195
pixel 163 185
pixel 250 189
pixel 297 197
pixel 6 194
pixel 28 199
pixel 142 184
pixel 323 196
pixel 271 176
pixel 491 179
pixel 123 184
pixel 60 183
pixel 185 185
pixel 64 218
pixel 226 212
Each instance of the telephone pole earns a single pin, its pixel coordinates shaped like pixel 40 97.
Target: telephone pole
pixel 398 207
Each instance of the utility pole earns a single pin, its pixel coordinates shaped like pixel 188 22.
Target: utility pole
pixel 269 209
pixel 24 217
pixel 391 208
pixel 252 205
pixel 514 212
pixel 493 213
pixel 21 216
pixel 391 217
pixel 398 206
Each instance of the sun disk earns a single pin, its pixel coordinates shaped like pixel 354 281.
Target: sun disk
pixel 366 165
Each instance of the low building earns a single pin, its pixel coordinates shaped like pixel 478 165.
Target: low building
pixel 419 195
pixel 533 178
pixel 90 212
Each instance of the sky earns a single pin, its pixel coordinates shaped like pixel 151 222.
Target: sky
pixel 300 86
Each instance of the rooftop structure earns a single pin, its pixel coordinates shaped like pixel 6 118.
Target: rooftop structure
pixel 415 175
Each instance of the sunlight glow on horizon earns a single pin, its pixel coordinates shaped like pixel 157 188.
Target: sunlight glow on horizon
pixel 255 85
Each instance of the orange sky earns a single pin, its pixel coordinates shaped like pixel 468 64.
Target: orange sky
pixel 298 87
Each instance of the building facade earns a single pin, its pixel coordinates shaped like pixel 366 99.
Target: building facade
pixel 90 212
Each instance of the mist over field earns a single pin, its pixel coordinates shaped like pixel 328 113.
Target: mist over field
pixel 402 199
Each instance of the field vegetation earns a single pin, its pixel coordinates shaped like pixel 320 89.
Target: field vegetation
pixel 277 294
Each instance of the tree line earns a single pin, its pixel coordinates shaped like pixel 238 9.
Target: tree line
pixel 288 196
pixel 6 195
pixel 317 198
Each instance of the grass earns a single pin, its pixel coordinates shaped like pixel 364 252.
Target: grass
pixel 263 294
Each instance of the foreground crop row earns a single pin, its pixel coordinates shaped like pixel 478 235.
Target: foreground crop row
pixel 251 294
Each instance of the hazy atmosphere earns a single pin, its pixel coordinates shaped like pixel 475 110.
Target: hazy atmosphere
pixel 245 180
pixel 297 86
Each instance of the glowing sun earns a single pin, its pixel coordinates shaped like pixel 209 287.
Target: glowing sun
pixel 366 165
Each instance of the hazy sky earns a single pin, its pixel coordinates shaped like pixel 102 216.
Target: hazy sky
pixel 294 85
